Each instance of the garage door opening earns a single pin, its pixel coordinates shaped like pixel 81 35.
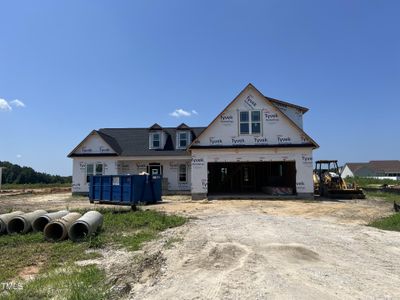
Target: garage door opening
pixel 273 178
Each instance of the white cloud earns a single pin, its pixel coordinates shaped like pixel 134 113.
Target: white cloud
pixel 17 103
pixel 4 106
pixel 177 113
pixel 7 106
pixel 194 112
pixel 19 155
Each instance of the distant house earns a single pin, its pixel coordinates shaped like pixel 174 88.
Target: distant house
pixel 381 169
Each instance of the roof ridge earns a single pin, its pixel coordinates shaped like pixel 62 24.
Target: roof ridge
pixel 386 160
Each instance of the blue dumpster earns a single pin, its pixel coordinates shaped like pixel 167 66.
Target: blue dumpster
pixel 125 189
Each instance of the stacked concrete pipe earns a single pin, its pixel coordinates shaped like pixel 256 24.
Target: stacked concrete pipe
pixel 5 218
pixel 40 223
pixel 85 226
pixel 57 230
pixel 23 223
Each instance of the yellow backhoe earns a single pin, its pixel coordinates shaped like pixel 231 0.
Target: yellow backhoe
pixel 329 183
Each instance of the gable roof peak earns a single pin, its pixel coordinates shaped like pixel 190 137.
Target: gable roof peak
pixel 109 140
pixel 272 102
pixel 183 126
pixel 250 85
pixel 155 126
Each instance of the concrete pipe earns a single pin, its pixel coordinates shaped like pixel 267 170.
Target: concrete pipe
pixel 42 221
pixel 57 230
pixel 23 223
pixel 85 226
pixel 5 218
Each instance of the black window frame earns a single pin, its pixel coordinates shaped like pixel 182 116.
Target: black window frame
pixel 185 173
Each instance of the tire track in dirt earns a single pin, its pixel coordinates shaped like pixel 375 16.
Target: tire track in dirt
pixel 241 259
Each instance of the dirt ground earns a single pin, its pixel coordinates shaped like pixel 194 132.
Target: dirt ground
pixel 253 249
pixel 345 211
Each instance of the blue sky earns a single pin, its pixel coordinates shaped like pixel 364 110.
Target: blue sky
pixel 82 65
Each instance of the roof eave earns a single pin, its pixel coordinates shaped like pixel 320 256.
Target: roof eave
pixel 255 146
pixel 302 108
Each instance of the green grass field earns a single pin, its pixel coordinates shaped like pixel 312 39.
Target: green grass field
pixel 58 276
pixel 388 223
pixel 370 182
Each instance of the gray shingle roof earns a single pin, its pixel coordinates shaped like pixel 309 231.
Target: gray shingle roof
pixel 354 167
pixel 377 166
pixel 388 166
pixel 135 141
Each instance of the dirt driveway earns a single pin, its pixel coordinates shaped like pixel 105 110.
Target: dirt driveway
pixel 260 249
pixel 277 250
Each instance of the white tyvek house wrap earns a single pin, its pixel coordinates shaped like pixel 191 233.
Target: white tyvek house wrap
pixel 277 131
pixel 295 114
pixel 132 166
pixel 94 144
pixel 79 183
pixel 301 156
pixel 170 169
pixel 276 128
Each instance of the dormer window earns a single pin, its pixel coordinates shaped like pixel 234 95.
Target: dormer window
pixel 182 139
pixel 155 140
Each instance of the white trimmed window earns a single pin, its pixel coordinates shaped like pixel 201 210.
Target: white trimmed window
pixel 182 175
pixel 250 122
pixel 155 140
pixel 183 139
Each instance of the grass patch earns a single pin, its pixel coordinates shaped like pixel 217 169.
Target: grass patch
pixel 134 241
pixel 128 229
pixel 388 223
pixel 58 276
pixel 132 229
pixel 390 197
pixel 68 283
pixel 20 251
pixel 370 182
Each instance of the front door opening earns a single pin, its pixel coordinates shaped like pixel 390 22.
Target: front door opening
pixel 154 169
pixel 252 177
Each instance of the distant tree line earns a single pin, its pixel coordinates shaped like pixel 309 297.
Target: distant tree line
pixel 16 174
